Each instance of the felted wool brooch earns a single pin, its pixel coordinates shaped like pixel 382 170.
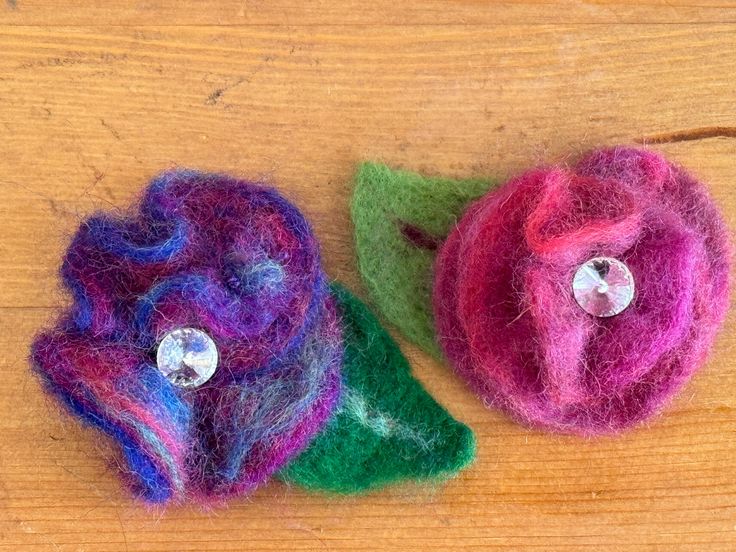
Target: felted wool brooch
pixel 577 300
pixel 205 340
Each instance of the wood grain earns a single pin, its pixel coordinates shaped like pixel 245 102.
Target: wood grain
pixel 378 12
pixel 96 97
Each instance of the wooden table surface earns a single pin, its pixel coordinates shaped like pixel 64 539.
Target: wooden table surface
pixel 97 96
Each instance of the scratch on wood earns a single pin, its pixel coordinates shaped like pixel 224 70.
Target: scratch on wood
pixel 12 4
pixel 112 129
pixel 213 98
pixel 97 176
pixel 688 135
pixel 216 94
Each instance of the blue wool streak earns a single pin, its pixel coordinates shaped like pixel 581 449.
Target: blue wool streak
pixel 109 236
pixel 83 308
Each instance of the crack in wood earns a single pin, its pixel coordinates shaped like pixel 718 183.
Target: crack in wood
pixel 689 135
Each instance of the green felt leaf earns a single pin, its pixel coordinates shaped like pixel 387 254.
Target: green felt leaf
pixel 387 428
pixel 400 219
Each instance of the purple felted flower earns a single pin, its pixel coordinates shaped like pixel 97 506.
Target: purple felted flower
pixel 204 339
pixel 234 261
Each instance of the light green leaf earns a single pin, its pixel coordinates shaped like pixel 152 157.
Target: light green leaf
pixel 400 219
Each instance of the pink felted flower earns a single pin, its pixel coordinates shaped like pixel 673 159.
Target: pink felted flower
pixel 506 315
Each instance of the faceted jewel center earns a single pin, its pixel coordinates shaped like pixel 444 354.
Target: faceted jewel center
pixel 187 357
pixel 603 286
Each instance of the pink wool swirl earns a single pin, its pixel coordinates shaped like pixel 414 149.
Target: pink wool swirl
pixel 505 312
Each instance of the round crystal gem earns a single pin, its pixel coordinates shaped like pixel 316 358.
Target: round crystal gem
pixel 187 357
pixel 603 286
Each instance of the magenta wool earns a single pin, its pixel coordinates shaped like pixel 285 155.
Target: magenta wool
pixel 235 260
pixel 506 316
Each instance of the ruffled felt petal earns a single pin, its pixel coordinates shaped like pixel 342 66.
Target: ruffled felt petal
pixel 387 427
pixel 400 219
pixel 113 389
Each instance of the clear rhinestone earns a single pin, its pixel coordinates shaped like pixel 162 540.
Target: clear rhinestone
pixel 187 357
pixel 603 286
